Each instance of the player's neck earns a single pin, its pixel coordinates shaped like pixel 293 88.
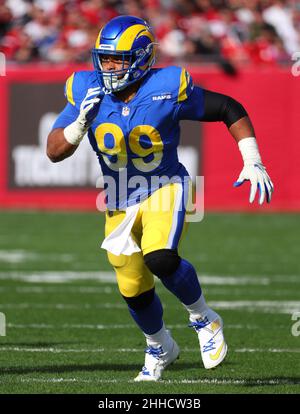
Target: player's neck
pixel 129 93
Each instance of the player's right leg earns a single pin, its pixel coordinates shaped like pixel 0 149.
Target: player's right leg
pixel 162 230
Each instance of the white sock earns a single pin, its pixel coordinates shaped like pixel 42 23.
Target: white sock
pixel 198 309
pixel 160 338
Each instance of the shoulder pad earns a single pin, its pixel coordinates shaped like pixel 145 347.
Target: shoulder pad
pixel 178 81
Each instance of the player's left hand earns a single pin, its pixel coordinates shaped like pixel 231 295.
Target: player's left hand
pixel 259 178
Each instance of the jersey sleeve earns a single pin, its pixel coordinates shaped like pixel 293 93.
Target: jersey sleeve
pixel 192 108
pixel 190 99
pixel 66 117
pixel 185 86
pixel 69 89
pixel 74 91
pixel 75 88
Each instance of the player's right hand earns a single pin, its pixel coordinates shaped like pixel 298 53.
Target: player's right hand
pixel 89 107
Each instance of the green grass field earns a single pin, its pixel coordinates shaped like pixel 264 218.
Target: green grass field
pixel 68 329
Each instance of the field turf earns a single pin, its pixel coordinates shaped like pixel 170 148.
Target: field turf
pixel 68 329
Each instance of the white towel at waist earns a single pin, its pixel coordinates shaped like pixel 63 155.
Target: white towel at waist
pixel 120 240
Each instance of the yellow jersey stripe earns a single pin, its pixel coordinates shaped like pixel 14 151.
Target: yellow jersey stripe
pixel 127 38
pixel 69 89
pixel 182 96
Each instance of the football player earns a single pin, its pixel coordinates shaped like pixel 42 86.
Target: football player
pixel 131 113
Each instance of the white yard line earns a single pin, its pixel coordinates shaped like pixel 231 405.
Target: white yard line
pixel 58 277
pixel 231 381
pixel 65 289
pixel 116 326
pixel 109 277
pixel 23 256
pixel 206 381
pixel 59 380
pixel 62 306
pixel 276 350
pixel 61 289
pixel 128 350
pixel 17 256
pixel 68 326
pixel 48 350
pixel 265 306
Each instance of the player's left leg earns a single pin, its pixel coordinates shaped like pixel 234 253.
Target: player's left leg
pixel 136 285
pixel 161 234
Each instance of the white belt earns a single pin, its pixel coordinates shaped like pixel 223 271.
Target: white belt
pixel 120 240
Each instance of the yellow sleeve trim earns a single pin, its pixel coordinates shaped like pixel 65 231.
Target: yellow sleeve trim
pixel 69 89
pixel 182 96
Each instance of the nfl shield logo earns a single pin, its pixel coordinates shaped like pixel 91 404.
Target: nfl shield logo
pixel 125 111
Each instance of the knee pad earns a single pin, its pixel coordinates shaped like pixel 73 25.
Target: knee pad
pixel 141 301
pixel 163 262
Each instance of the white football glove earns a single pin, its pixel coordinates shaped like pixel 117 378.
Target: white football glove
pixel 254 171
pixel 89 108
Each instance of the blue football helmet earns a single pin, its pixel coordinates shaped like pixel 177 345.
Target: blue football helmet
pixel 131 39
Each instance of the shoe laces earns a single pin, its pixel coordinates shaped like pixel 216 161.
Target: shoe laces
pixel 199 324
pixel 155 352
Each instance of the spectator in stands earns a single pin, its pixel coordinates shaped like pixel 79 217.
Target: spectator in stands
pixel 6 17
pixel 226 31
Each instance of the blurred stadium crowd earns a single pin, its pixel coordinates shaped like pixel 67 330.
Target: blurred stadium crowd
pixel 263 32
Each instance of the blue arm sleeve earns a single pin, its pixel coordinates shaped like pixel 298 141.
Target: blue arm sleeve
pixel 193 107
pixel 66 117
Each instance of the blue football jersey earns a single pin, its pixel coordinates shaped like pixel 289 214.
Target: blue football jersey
pixel 136 142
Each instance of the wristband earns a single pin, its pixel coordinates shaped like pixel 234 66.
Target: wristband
pixel 74 133
pixel 249 150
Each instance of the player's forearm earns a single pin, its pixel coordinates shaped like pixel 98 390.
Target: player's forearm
pixel 58 148
pixel 242 128
pixel 243 133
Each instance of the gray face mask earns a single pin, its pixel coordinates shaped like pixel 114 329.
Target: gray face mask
pixel 112 83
